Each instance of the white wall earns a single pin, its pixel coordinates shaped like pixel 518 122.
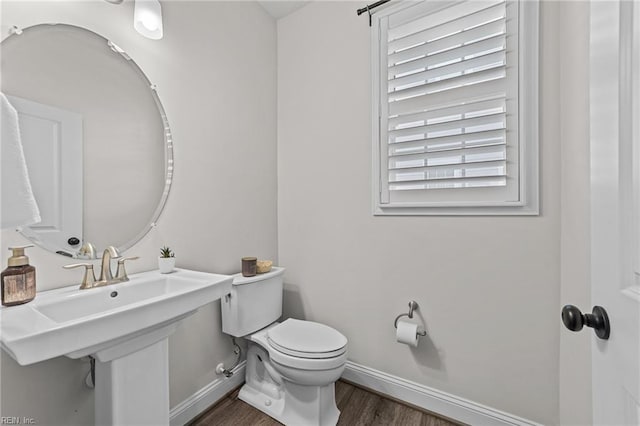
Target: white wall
pixel 216 71
pixel 575 348
pixel 488 287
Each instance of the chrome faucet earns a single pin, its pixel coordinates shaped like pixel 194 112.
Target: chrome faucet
pixel 105 272
pixel 106 277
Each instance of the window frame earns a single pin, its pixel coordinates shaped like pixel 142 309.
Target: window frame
pixel 528 131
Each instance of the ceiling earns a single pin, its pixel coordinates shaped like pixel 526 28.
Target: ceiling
pixel 282 8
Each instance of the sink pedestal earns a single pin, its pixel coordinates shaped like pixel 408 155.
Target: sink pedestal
pixel 132 381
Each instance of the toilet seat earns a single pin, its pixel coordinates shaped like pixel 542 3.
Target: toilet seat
pixel 306 364
pixel 306 339
pixel 328 360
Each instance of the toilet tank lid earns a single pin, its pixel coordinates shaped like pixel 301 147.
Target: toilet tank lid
pixel 238 279
pixel 306 337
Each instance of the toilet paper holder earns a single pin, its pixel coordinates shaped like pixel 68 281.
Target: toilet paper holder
pixel 413 305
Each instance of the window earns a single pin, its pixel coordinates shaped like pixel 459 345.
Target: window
pixel 455 108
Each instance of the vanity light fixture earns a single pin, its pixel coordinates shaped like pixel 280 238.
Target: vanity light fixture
pixel 147 18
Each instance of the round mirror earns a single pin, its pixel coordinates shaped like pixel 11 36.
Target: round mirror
pixel 95 137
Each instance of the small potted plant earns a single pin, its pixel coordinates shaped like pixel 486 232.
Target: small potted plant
pixel 167 260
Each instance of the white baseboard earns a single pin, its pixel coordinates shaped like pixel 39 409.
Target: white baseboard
pixel 191 407
pixel 430 399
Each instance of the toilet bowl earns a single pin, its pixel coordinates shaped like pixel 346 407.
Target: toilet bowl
pixel 292 366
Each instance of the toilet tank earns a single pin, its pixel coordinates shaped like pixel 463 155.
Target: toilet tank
pixel 254 303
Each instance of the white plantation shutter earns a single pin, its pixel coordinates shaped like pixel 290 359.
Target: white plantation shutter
pixel 448 98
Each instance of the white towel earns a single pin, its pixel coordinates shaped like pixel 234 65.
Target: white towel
pixel 18 205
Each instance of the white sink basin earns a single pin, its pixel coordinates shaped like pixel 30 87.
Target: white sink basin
pixel 76 323
pixel 124 326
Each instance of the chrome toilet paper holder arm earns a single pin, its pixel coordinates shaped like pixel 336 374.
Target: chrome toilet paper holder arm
pixel 413 305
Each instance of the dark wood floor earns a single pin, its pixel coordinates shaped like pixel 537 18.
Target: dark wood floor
pixel 357 406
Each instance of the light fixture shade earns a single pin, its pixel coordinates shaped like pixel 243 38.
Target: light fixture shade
pixel 147 18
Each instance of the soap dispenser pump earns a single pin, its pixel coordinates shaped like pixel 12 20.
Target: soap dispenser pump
pixel 19 279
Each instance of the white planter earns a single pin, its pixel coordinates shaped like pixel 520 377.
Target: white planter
pixel 166 264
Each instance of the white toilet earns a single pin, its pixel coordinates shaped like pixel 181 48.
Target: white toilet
pixel 291 366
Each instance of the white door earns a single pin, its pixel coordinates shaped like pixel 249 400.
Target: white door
pixel 52 143
pixel 615 208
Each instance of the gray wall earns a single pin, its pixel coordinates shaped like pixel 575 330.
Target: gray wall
pixel 488 287
pixel 215 70
pixel 575 348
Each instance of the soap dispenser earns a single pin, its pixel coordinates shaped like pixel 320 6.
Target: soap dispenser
pixel 19 279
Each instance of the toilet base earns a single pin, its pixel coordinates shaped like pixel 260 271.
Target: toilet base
pixel 297 405
pixel 287 402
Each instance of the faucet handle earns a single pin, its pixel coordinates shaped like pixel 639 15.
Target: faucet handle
pixel 87 251
pixel 89 279
pixel 121 273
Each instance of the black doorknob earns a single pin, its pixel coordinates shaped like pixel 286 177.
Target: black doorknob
pixel 598 319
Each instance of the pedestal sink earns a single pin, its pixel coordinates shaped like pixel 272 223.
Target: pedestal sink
pixel 124 326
